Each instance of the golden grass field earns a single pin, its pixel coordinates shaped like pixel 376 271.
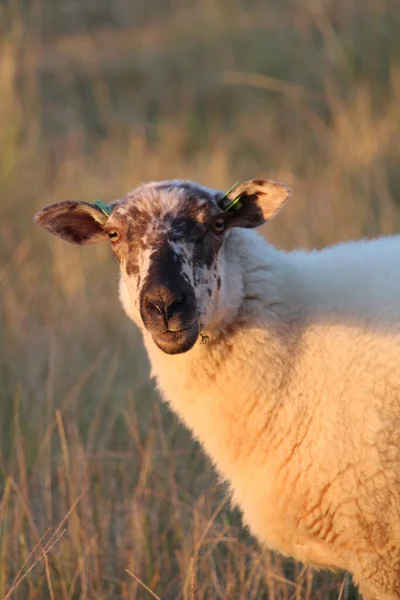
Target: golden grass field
pixel 102 491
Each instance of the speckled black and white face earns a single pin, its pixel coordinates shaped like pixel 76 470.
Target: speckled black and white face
pixel 169 235
pixel 168 238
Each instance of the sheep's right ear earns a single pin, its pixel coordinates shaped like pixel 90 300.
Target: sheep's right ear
pixel 254 202
pixel 76 222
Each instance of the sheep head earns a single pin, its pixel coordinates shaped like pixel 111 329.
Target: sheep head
pixel 168 238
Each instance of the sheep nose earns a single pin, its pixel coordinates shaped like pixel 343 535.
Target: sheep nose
pixel 168 308
pixel 163 302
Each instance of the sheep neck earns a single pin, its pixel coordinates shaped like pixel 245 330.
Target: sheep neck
pixel 228 391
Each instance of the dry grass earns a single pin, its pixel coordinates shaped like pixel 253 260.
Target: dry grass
pixel 102 493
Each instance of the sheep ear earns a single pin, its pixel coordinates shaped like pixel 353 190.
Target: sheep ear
pixel 76 222
pixel 254 202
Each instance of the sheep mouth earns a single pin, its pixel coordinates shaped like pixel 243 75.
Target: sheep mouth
pixel 177 342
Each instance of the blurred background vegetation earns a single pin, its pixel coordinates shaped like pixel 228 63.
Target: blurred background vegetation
pixel 99 484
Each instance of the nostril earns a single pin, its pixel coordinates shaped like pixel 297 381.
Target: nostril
pixel 174 304
pixel 156 307
pixel 153 303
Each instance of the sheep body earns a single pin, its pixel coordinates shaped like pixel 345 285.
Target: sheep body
pixel 296 399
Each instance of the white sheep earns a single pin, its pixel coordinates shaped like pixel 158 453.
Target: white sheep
pixel 296 394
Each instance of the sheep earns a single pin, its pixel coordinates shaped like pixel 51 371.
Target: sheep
pixel 285 365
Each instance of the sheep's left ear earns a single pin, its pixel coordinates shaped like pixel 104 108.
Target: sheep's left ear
pixel 258 200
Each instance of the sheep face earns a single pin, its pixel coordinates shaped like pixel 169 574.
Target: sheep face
pixel 169 259
pixel 168 238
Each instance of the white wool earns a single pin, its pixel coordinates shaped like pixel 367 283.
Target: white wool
pixel 296 396
pixel 296 399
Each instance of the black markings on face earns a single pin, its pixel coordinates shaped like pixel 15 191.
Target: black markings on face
pixel 133 226
pixel 132 264
pixel 166 266
pixel 132 247
pixel 171 225
pixel 130 232
pixel 206 252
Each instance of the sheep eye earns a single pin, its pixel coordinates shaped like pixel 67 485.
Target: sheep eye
pixel 113 235
pixel 219 225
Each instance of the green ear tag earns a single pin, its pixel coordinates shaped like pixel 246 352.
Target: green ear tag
pixel 105 208
pixel 235 204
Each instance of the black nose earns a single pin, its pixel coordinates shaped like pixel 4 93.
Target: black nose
pixel 159 305
pixel 162 301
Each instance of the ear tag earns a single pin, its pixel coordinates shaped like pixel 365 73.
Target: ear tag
pixel 235 204
pixel 105 208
